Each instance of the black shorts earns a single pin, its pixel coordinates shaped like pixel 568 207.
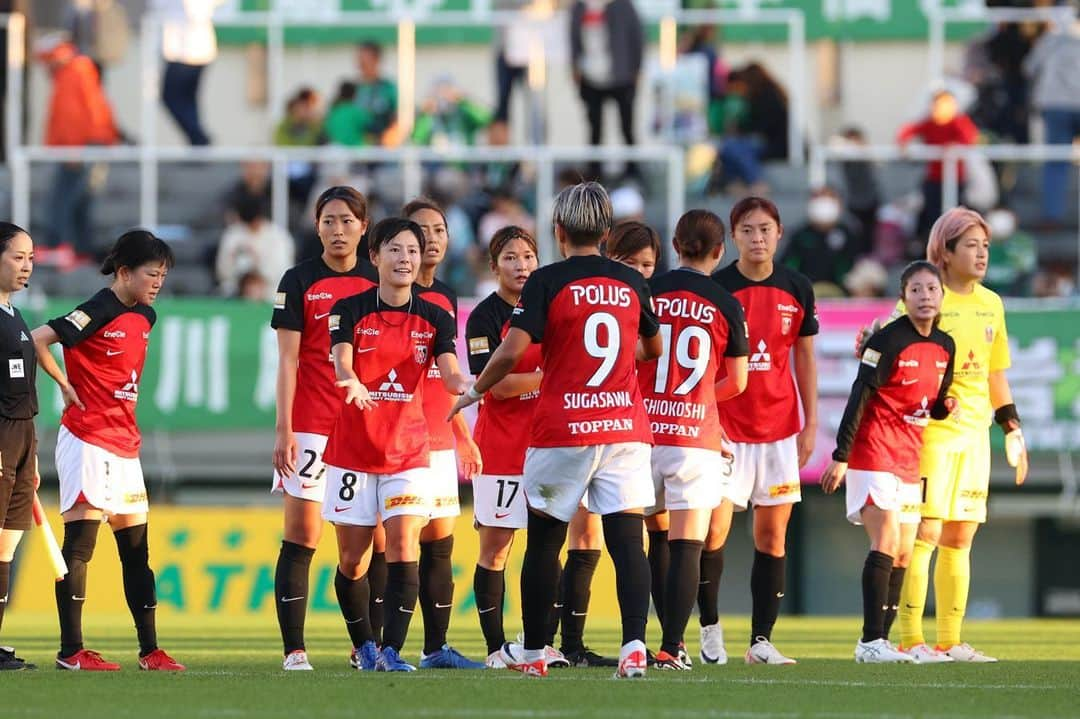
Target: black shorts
pixel 18 457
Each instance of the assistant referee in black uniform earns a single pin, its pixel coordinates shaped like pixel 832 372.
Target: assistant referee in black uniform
pixel 18 406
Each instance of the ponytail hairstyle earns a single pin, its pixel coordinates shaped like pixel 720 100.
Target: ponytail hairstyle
pixel 504 236
pixel 136 248
pixel 629 238
pixel 8 230
pixel 698 233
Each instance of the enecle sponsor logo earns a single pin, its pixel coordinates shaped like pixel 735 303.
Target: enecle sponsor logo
pixel 314 296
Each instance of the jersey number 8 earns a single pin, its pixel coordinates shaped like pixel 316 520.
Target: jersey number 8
pixel 697 363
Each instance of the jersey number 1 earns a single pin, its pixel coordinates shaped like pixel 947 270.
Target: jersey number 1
pixel 697 363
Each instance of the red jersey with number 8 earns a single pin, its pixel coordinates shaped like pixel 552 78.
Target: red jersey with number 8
pixel 588 312
pixel 779 310
pixel 701 324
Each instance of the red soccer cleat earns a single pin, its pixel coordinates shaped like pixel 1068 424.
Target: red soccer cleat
pixel 159 661
pixel 85 660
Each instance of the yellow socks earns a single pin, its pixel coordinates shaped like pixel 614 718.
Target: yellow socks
pixel 952 579
pixel 913 594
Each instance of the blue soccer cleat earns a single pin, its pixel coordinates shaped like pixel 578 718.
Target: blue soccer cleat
pixel 448 658
pixel 364 657
pixel 390 661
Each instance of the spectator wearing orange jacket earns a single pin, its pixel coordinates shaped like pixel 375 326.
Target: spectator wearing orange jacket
pixel 79 114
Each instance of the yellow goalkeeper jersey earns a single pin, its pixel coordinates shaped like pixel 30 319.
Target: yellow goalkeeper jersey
pixel 976 322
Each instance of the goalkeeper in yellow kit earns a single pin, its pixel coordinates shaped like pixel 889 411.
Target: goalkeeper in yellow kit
pixel 954 466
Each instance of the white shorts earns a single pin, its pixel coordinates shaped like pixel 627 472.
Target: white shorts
pixel 443 484
pixel 359 498
pixel 98 477
pixel 765 474
pixel 499 501
pixel 865 487
pixel 911 500
pixel 614 477
pixel 688 478
pixel 307 481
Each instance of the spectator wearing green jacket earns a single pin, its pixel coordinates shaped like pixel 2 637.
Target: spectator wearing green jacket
pixel 447 118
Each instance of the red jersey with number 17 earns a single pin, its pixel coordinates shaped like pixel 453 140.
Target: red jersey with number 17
pixel 437 401
pixel 701 324
pixel 779 310
pixel 105 344
pixel 392 350
pixel 588 312
pixel 305 296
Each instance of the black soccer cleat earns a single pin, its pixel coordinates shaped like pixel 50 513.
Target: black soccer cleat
pixel 585 657
pixel 10 662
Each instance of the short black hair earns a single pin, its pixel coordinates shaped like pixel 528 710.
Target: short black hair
pixel 391 227
pixel 136 248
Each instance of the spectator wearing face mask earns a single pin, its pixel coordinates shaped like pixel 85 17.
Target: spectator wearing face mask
pixel 824 249
pixel 1013 255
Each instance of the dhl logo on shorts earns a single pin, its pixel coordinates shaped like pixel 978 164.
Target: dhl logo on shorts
pixel 784 490
pixel 910 508
pixel 404 500
pixel 448 501
pixel 135 497
pixel 973 494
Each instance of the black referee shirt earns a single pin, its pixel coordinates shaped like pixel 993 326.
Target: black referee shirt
pixel 18 367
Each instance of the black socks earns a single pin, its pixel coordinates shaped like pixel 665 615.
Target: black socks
pixel 291 592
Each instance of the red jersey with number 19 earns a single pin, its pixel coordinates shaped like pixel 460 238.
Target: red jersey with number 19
pixel 437 401
pixel 588 312
pixel 701 324
pixel 105 344
pixel 305 296
pixel 779 310
pixel 392 350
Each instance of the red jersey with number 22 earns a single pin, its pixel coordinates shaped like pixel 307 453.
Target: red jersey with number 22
pixel 588 312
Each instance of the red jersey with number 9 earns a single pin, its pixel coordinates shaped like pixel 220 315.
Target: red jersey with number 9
pixel 701 324
pixel 588 312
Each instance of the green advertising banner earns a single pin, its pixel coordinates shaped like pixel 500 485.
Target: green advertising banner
pixel 852 20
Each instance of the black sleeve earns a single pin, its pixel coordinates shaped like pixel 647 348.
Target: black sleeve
pixel 342 322
pixel 82 322
pixel 939 410
pixel 531 312
pixel 483 337
pixel 874 368
pixel 445 333
pixel 288 304
pixel 810 325
pixel 738 343
pixel 648 324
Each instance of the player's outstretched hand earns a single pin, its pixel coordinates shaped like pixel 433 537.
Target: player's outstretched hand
pixel 356 393
pixel 472 464
pixel 71 397
pixel 833 476
pixel 1016 454
pixel 863 336
pixel 285 454
pixel 468 397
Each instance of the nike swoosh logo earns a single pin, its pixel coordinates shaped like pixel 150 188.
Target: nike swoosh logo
pixel 403 609
pixel 341 509
pixel 354 621
pixel 113 353
pixel 149 606
pixel 501 516
pixel 906 382
pixel 78 599
pixel 485 611
pixel 779 595
pixel 443 606
pixel 308 486
pixel 577 614
pixel 362 350
pixel 324 314
pixel 378 600
pixel 291 599
pixel 73 667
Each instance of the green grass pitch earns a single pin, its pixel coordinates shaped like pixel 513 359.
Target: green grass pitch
pixel 234 671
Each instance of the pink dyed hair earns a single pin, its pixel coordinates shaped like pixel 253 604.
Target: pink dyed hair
pixel 948 229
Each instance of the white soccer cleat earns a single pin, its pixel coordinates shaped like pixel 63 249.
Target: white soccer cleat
pixel 966 653
pixel 763 652
pixel 923 654
pixel 554 658
pixel 529 662
pixel 297 662
pixel 712 644
pixel 633 658
pixel 880 651
pixel 495 661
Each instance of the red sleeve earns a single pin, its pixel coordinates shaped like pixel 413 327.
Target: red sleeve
pixel 967 133
pixel 910 130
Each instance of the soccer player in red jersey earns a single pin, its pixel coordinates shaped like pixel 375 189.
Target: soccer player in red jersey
pixel 635 245
pixel 377 455
pixel 703 329
pixel 18 407
pixel 904 378
pixel 502 430
pixel 307 401
pixel 590 433
pixel 763 423
pixel 437 538
pixel 97 450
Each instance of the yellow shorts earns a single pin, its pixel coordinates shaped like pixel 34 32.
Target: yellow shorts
pixel 956 480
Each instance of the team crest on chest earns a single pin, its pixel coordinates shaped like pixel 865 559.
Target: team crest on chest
pixel 420 354
pixel 785 325
pixel 989 333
